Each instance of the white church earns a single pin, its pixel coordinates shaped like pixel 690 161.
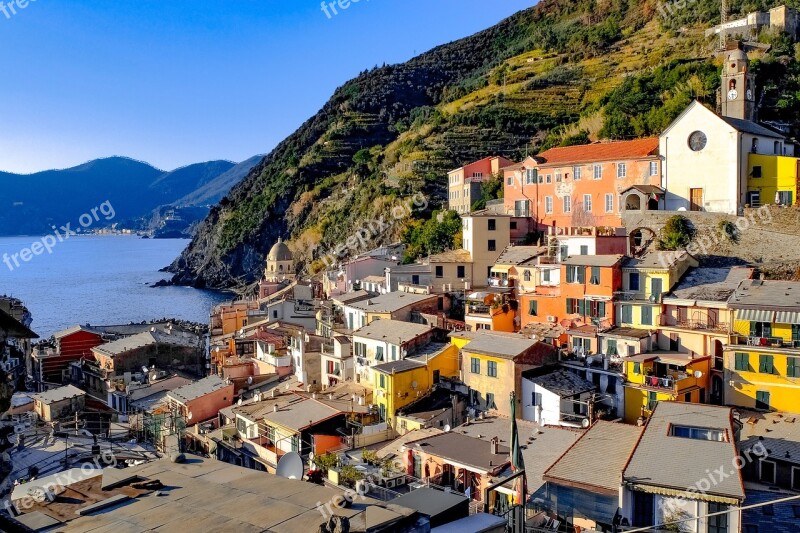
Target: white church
pixel 713 162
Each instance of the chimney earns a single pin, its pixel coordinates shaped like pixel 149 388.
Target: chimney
pixel 495 444
pixel 275 408
pixel 314 396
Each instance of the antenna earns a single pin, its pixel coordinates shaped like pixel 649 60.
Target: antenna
pixel 290 466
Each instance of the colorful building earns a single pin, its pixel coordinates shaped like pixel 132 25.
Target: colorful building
pixel 664 376
pixel 402 382
pixel 772 178
pixel 493 310
pixel 645 280
pixel 385 341
pixel 492 364
pixel 581 185
pixel 464 183
pixel 762 359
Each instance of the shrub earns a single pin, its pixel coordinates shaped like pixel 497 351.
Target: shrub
pixel 729 229
pixel 677 233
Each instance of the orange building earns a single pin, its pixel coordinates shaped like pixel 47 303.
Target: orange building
pixel 580 185
pixel 464 184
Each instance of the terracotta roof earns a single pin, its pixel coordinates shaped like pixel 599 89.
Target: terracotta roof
pixel 610 151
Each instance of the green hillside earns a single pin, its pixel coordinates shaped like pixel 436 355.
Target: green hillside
pixel 548 75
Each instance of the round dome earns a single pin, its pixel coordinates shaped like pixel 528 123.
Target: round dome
pixel 280 252
pixel 737 55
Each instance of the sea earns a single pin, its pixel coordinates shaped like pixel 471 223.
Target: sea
pixel 99 279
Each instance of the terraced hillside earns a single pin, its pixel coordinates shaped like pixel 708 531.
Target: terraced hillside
pixel 537 79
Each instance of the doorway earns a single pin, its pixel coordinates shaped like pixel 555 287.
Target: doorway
pixel 696 199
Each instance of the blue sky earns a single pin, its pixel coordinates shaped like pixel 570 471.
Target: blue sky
pixel 174 82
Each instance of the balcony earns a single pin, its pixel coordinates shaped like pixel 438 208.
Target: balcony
pixel 498 282
pixel 673 383
pixel 764 342
pixel 638 296
pixel 478 309
pixel 695 325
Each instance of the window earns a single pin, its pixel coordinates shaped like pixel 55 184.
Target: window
pixel 793 367
pixel 521 208
pixel 633 281
pixel 597 309
pixel 439 271
pixel 546 275
pixel 785 197
pixel 611 347
pixel 609 203
pixel 754 148
pixel 563 252
pixel 695 433
pixel 757 171
pixel 530 176
pixel 548 178
pixel 460 271
pixel 491 369
pixel 717 523
pixel 492 224
pixel 766 364
pixel 584 249
pixel 475 365
pixel 490 401
pixel 647 315
pixel 526 276
pixel 360 349
pixel 379 353
pixel 622 170
pixel 643 509
pixel 513 225
pixel 576 274
pixel 595 277
pixel 627 314
pixel 776 148
pixel 598 172
pixel 559 176
pixel 654 168
pixel 796 486
pixel 510 181
pixel 567 201
pixel 492 245
pixel 295 443
pixel 393 352
pixel 572 306
pixel 587 203
pixel 548 204
pixel 762 400
pixel 741 362
pixel 381 381
pixel 576 173
pixel 760 329
pixel 536 399
pixel 766 471
pixel 541 178
pixel 652 400
pixel 637 369
pixel 533 308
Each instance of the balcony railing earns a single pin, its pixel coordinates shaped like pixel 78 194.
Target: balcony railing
pixel 668 383
pixel 766 342
pixel 630 296
pixel 479 310
pixel 695 325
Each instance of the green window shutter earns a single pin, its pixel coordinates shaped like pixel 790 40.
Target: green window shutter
pixel 569 306
pixel 611 347
pixel 647 315
pixel 637 368
pixel 595 279
pixel 792 368
pixel 601 310
pixel 742 362
pixel 581 274
pixel 582 307
pixel 753 329
pixel 533 308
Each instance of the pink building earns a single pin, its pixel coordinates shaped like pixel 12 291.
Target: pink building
pixel 464 184
pixel 202 400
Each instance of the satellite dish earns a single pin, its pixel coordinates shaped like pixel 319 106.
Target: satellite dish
pixel 585 423
pixel 698 374
pixel 447 428
pixel 290 466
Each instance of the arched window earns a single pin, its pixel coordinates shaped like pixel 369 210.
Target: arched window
pixel 732 85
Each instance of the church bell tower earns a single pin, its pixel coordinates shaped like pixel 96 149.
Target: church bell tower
pixel 738 91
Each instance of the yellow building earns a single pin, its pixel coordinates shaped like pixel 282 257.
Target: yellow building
pixel 398 383
pixel 762 360
pixel 492 364
pixel 664 376
pixel 772 179
pixel 645 280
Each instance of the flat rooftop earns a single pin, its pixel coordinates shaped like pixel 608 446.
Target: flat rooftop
pixel 392 331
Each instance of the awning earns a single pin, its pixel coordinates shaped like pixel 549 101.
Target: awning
pixel 787 317
pixel 685 494
pixel 503 269
pixel 755 315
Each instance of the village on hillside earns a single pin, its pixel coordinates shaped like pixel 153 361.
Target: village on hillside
pixel 602 377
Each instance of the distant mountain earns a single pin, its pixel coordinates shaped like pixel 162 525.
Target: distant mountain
pixel 33 203
pixel 215 190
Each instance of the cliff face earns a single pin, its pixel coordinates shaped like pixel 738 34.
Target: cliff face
pixel 556 73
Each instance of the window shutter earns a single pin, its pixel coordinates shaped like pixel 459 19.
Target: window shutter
pixel 581 274
pixel 582 307
pixel 601 309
